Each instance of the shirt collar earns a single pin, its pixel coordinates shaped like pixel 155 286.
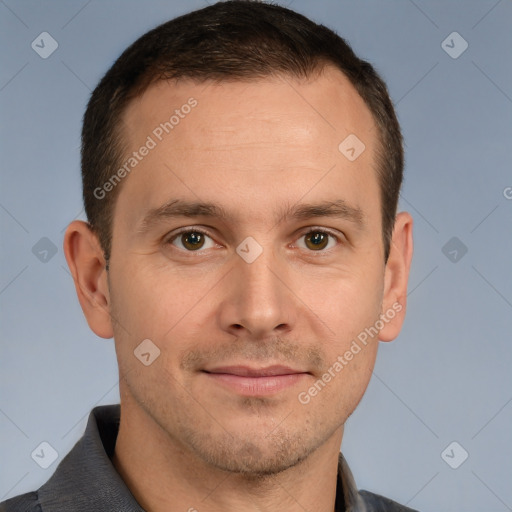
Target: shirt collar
pixel 87 480
pixel 351 498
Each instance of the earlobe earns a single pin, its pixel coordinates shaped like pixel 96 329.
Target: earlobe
pixel 87 266
pixel 396 277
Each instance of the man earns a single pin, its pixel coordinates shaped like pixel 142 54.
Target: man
pixel 241 171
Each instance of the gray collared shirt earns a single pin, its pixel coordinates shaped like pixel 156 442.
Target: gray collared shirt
pixel 87 481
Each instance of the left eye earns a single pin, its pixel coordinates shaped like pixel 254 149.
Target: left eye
pixel 318 240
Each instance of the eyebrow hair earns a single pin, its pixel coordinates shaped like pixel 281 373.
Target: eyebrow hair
pixel 337 209
pixel 303 211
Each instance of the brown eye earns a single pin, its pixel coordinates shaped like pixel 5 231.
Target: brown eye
pixel 191 240
pixel 317 240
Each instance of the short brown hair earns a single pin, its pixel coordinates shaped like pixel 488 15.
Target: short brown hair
pixel 232 40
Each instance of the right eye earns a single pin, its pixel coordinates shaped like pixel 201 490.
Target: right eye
pixel 190 240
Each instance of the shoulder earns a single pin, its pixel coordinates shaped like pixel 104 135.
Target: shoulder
pixel 378 503
pixel 28 502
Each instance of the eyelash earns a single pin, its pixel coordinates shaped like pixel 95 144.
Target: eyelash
pixel 204 232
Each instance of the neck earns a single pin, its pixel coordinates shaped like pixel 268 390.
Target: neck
pixel 159 472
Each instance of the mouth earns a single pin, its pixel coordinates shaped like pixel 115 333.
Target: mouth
pixel 251 381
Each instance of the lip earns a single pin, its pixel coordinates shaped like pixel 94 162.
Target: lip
pixel 247 371
pixel 249 381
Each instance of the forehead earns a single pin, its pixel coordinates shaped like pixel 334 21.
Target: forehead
pixel 261 138
pixel 326 102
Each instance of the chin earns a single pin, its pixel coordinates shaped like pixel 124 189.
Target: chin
pixel 252 455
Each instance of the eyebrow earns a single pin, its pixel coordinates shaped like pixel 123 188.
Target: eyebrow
pixel 180 208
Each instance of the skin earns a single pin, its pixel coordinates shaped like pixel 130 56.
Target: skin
pixel 251 147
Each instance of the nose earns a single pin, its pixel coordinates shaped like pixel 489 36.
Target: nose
pixel 258 301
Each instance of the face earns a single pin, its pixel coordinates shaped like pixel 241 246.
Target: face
pixel 248 248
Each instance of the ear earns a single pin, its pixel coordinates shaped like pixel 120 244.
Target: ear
pixel 88 267
pixel 396 277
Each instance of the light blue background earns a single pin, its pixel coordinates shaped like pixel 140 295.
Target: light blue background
pixel 447 378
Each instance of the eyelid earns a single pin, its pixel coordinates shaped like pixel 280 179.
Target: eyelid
pixel 186 229
pixel 335 234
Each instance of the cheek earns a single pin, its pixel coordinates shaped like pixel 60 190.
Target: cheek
pixel 157 302
pixel 352 313
pixel 349 301
pixel 351 308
